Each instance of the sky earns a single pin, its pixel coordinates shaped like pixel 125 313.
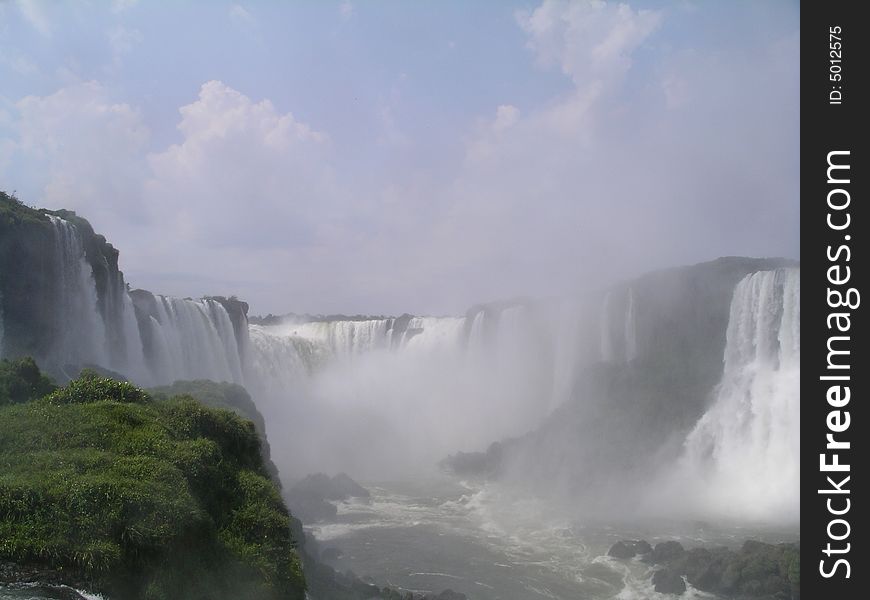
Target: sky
pixel 388 156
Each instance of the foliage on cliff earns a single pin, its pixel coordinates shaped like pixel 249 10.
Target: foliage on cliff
pixel 144 498
pixel 22 381
pixel 229 396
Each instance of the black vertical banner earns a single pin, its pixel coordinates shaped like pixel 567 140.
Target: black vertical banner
pixel 834 223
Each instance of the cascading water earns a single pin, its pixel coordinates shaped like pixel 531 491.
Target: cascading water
pixel 360 388
pixel 365 387
pixel 193 339
pixel 80 334
pixel 742 458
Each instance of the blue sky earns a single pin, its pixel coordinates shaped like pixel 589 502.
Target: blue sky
pixel 390 156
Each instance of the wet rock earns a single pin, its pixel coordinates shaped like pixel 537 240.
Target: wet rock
pixel 667 581
pixel 666 551
pixel 626 549
pixel 340 487
pixel 310 507
pixel 757 571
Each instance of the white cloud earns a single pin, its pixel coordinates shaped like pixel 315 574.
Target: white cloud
pixel 590 40
pixel 244 176
pixel 87 148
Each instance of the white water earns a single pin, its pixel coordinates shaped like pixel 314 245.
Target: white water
pixel 742 458
pixel 80 334
pixel 375 398
pixel 494 542
pixel 194 339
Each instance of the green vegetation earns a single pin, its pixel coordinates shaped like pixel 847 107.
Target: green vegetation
pixel 14 212
pixel 229 396
pixel 141 497
pixel 22 381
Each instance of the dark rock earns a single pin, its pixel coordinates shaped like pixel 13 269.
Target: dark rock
pixel 309 506
pixel 642 547
pixel 757 571
pixel 623 550
pixel 626 549
pixel 476 464
pixel 340 487
pixel 53 583
pixel 41 591
pixel 343 487
pixel 666 551
pixel 310 498
pixel 667 581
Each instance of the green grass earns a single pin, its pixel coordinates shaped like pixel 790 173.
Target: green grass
pixel 142 497
pixel 22 381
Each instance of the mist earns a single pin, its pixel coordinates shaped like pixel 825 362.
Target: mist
pixel 380 403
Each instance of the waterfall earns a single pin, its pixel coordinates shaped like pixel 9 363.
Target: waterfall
pixel 428 385
pixel 89 327
pixel 345 338
pixel 80 334
pixel 744 452
pixel 193 339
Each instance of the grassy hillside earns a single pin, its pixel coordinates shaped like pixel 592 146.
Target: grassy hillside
pixel 140 497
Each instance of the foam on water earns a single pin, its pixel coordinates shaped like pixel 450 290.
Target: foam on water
pixel 490 542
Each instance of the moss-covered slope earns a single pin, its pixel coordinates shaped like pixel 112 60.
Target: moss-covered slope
pixel 142 498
